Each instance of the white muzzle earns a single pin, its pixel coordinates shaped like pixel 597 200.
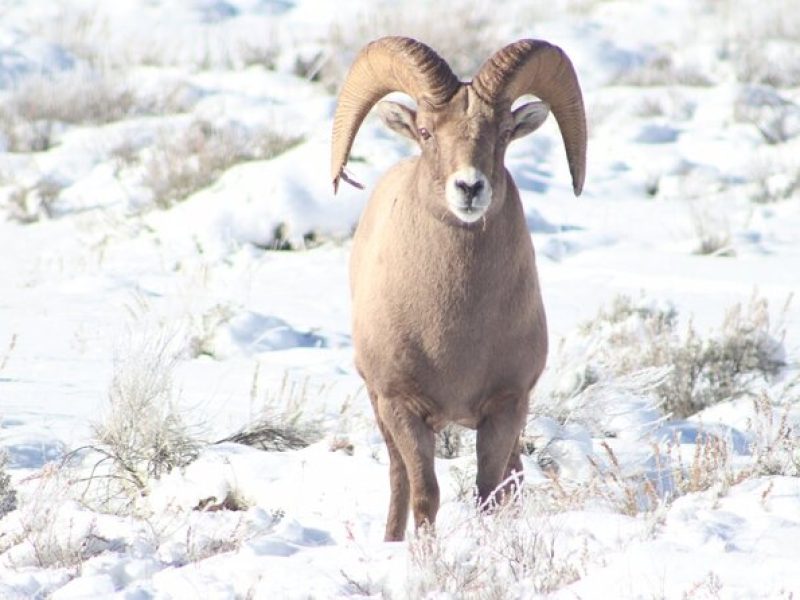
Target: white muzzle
pixel 468 193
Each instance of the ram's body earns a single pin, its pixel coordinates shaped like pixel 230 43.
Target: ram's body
pixel 446 318
pixel 448 322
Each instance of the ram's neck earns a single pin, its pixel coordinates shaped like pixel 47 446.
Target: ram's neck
pixel 459 263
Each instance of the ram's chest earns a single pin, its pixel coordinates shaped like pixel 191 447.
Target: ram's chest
pixel 438 291
pixel 445 321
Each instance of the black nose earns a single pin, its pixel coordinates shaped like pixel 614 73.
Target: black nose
pixel 470 191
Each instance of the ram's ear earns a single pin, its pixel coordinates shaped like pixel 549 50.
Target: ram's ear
pixel 399 118
pixel 528 118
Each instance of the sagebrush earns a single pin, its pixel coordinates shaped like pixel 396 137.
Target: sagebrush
pixel 631 336
pixel 143 434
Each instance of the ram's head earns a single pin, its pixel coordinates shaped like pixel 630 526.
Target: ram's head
pixel 462 128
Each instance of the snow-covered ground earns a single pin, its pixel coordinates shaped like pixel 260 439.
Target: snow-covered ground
pixel 154 156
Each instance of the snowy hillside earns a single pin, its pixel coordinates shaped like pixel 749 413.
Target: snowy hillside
pixel 179 412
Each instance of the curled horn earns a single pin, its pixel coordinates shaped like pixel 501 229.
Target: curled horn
pixel 539 68
pixel 389 64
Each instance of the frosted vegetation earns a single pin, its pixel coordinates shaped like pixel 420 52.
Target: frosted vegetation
pixel 179 411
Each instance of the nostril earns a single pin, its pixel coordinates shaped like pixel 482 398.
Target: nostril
pixel 470 191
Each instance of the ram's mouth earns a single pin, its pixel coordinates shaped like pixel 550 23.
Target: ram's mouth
pixel 468 214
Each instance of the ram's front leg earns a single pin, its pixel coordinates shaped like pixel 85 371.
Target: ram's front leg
pixel 398 482
pixel 498 447
pixel 415 442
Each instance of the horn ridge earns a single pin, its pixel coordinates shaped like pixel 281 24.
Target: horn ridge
pixel 537 67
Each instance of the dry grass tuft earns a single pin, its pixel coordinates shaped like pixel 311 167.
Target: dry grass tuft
pixel 439 26
pixel 33 203
pixel 775 180
pixel 661 70
pixel 712 232
pixel 41 107
pixel 282 423
pixel 454 441
pixel 75 97
pixel 49 534
pixel 12 343
pixel 180 165
pixel 8 495
pixel 499 555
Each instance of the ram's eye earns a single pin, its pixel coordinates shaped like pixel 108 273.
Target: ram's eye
pixel 424 133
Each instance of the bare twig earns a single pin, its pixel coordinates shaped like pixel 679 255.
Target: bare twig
pixel 11 345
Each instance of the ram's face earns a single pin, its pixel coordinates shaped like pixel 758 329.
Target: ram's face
pixel 463 145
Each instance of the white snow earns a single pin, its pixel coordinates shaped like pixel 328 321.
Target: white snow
pixel 694 116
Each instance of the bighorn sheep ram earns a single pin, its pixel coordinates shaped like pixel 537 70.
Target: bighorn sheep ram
pixel 448 321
